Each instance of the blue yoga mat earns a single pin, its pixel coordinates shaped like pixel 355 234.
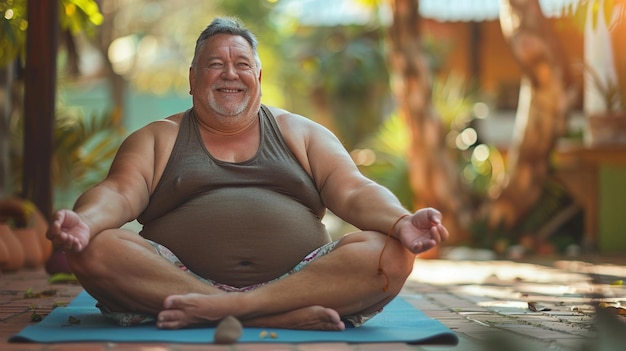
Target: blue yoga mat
pixel 399 322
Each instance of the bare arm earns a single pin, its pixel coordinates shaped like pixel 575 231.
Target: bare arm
pixel 344 189
pixel 352 196
pixel 120 197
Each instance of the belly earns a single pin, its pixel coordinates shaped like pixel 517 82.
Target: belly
pixel 240 236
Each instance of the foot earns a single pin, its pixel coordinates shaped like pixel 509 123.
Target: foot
pixel 195 309
pixel 308 318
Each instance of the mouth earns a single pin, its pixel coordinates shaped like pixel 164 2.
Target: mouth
pixel 229 90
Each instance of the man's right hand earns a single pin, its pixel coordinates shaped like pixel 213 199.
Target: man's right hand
pixel 68 232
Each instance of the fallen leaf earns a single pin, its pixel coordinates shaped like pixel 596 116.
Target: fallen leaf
pixel 35 317
pixel 60 304
pixel 30 294
pixel 62 278
pixel 73 320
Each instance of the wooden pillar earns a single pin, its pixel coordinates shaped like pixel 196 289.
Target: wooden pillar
pixel 39 102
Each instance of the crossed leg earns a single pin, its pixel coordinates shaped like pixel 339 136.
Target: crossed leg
pixel 343 282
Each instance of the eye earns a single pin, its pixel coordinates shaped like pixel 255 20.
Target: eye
pixel 215 65
pixel 244 65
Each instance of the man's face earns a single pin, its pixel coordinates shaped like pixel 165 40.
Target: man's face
pixel 226 78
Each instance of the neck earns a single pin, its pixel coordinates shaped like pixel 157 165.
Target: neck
pixel 227 126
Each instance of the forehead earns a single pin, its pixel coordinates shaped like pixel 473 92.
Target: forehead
pixel 227 45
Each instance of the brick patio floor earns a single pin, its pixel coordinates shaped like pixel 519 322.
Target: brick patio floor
pixel 490 305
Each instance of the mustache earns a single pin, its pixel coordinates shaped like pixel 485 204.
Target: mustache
pixel 232 87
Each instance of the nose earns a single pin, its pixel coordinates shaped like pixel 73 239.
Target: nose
pixel 229 71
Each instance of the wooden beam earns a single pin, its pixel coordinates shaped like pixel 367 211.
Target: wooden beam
pixel 39 102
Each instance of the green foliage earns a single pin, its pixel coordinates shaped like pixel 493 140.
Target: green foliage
pixel 342 72
pixel 83 151
pixel 452 102
pixel 79 15
pixel 391 169
pixel 391 141
pixel 253 13
pixel 578 12
pixel 74 15
pixel 582 11
pixel 13 25
pixel 554 198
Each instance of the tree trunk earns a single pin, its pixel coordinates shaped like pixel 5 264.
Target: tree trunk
pixel 40 103
pixel 7 77
pixel 546 96
pixel 433 177
pixel 118 86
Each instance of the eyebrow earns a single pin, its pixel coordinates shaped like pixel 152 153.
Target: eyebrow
pixel 238 57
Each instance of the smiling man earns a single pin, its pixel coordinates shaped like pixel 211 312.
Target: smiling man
pixel 231 194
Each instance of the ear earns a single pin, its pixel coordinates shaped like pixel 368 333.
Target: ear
pixel 260 74
pixel 192 79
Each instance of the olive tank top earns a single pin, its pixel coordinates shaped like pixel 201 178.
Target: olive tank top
pixel 235 223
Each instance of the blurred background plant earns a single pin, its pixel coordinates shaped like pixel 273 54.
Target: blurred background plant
pixel 84 146
pixel 603 65
pixel 339 74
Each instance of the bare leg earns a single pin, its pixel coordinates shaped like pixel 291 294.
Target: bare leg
pixel 346 280
pixel 308 318
pixel 122 270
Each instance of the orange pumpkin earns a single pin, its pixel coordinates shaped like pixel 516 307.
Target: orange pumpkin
pixel 23 242
pixel 14 259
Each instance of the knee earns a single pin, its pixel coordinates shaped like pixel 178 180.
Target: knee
pixel 92 260
pixel 396 261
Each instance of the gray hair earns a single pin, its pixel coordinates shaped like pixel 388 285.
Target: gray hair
pixel 227 25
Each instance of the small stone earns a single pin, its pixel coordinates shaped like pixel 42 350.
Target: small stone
pixel 228 331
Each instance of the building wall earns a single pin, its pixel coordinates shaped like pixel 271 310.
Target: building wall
pixel 495 71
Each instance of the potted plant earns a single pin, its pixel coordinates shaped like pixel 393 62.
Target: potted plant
pixel 604 69
pixel 608 126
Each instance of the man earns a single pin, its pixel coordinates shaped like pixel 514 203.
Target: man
pixel 231 194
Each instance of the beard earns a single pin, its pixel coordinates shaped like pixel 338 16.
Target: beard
pixel 230 109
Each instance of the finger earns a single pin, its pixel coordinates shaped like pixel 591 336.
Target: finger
pixel 58 218
pixel 77 246
pixel 422 246
pixel 443 232
pixel 168 324
pixel 435 234
pixel 434 216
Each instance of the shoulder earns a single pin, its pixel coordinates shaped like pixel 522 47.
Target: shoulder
pixel 292 123
pixel 149 147
pixel 156 138
pixel 162 126
pixel 158 131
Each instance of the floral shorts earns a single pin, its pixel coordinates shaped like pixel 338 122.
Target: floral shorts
pixel 132 318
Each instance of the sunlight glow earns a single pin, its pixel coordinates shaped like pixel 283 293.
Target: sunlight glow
pixel 122 53
pixel 481 110
pixel 481 153
pixel 468 174
pixel 467 138
pixel 363 157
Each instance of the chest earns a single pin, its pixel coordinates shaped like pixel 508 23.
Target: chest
pixel 235 149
